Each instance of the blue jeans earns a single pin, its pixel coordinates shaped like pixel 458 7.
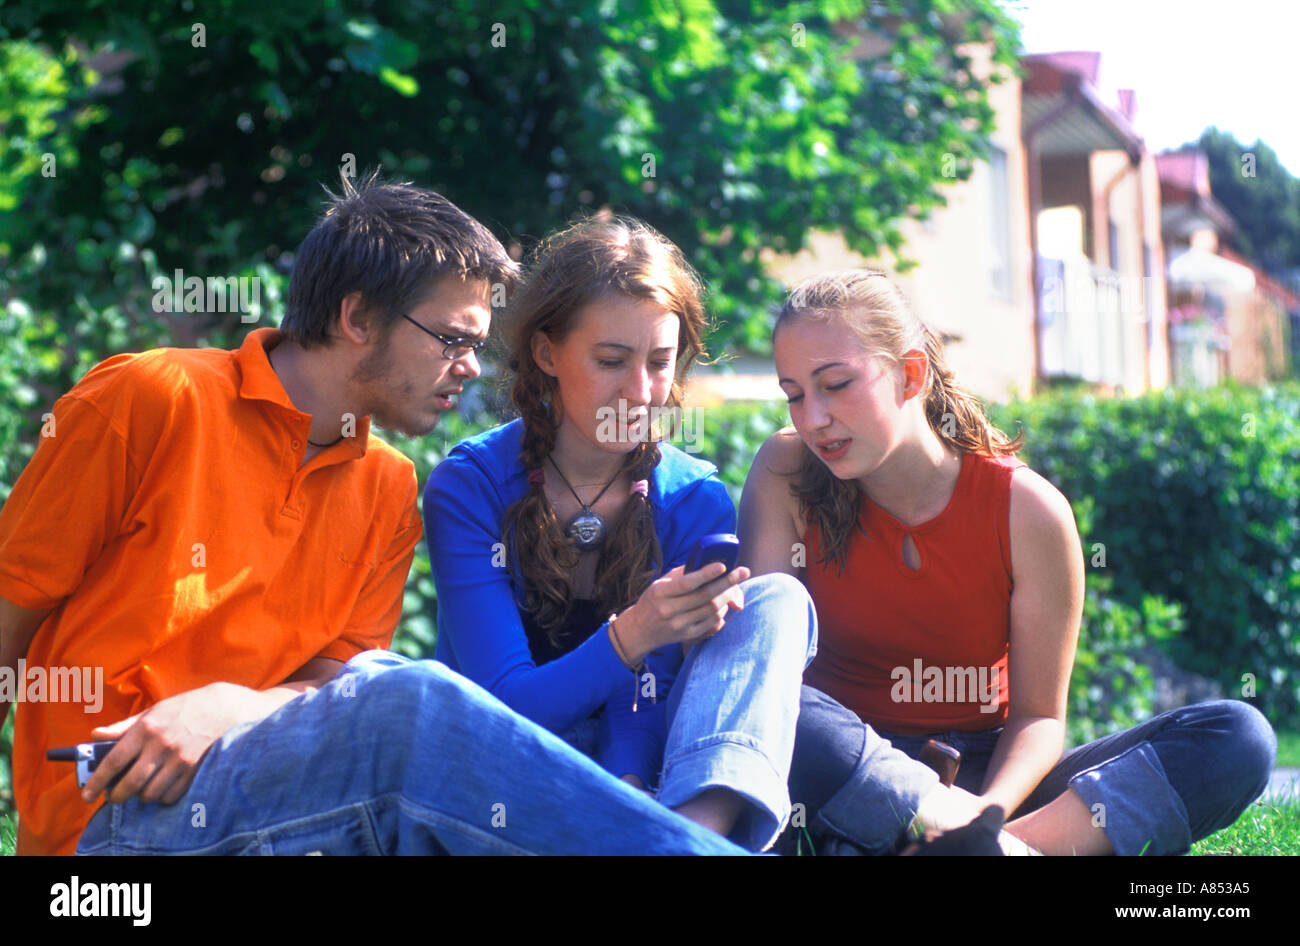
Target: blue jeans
pixel 1161 786
pixel 398 757
pixel 732 709
pixel 407 757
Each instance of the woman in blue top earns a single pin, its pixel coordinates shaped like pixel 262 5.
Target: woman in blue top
pixel 558 544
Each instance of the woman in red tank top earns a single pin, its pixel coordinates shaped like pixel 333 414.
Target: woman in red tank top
pixel 948 579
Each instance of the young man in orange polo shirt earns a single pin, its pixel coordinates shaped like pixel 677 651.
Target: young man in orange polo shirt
pixel 219 539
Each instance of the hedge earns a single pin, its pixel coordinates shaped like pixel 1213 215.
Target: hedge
pixel 1193 496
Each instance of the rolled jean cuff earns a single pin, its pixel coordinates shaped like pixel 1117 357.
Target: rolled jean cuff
pixel 881 797
pixel 737 762
pixel 1139 810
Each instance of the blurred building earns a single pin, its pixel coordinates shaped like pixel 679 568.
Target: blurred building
pixel 1228 318
pixel 1071 255
pixel 973 278
pixel 1094 202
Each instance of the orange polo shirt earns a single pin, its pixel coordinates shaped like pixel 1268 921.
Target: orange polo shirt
pixel 171 523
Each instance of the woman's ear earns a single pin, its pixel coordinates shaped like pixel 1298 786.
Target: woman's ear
pixel 916 366
pixel 542 354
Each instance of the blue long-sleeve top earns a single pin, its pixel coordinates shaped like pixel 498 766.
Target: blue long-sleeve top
pixel 480 592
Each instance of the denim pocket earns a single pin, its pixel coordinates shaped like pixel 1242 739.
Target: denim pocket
pixel 346 830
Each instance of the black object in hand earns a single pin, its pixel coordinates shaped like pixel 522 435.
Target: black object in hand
pixel 87 755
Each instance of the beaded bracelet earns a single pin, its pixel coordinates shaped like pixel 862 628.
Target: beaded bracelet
pixel 622 656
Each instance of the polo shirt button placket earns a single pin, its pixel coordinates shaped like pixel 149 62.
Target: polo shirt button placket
pixel 290 507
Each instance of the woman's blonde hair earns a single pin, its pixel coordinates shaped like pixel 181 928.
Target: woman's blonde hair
pixel 870 306
pixel 571 268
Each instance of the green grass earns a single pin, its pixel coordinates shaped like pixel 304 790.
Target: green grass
pixel 1265 828
pixel 1288 748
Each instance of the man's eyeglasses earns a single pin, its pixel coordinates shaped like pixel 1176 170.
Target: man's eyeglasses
pixel 453 346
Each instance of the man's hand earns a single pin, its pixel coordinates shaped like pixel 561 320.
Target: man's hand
pixel 160 749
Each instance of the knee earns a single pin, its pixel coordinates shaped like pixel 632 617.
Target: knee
pixel 401 688
pixel 785 604
pixel 775 584
pixel 1245 744
pixel 368 678
pixel 373 661
pixel 1251 732
pixel 402 708
pixel 820 710
pixel 826 727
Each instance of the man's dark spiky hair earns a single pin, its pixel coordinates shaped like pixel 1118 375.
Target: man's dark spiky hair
pixel 390 242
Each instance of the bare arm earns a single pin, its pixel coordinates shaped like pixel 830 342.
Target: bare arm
pixel 771 530
pixel 17 628
pixel 1046 607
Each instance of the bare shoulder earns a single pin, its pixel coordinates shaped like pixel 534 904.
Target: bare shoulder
pixel 1041 516
pixel 770 523
pixel 781 454
pixel 775 468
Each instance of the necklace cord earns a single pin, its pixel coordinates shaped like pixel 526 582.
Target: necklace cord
pixel 586 507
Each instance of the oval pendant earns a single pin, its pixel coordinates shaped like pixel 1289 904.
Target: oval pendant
pixel 587 530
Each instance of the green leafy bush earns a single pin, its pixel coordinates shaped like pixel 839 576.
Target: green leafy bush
pixel 730 435
pixel 1194 496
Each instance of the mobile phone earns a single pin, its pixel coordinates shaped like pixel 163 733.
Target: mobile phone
pixel 943 758
pixel 87 755
pixel 720 547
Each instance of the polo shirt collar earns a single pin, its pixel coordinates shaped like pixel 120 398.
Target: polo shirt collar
pixel 258 381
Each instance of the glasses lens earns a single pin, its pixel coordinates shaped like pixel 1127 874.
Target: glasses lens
pixel 459 350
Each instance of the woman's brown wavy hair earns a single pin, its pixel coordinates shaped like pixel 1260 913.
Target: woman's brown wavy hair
pixel 872 309
pixel 571 268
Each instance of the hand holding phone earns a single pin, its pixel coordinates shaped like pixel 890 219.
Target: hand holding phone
pixel 87 755
pixel 719 547
pixel 690 602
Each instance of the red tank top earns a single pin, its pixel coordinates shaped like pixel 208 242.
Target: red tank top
pixel 921 650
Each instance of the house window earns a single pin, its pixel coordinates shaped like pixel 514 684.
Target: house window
pixel 1112 236
pixel 1000 218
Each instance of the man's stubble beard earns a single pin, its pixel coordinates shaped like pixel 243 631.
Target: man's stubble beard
pixel 375 374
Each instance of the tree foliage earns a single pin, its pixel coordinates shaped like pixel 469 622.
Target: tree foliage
pixel 198 136
pixel 1263 198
